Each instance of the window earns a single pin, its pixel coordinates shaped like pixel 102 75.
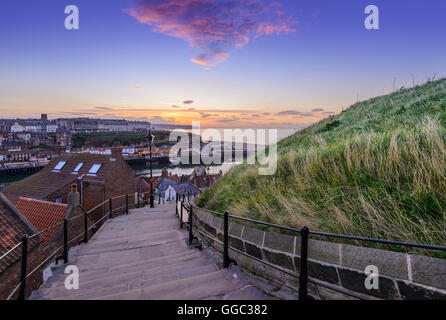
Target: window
pixel 95 168
pixel 78 167
pixel 60 165
pixel 59 200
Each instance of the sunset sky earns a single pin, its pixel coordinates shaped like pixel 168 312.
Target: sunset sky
pixel 245 63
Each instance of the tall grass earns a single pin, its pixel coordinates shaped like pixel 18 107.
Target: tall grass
pixel 377 170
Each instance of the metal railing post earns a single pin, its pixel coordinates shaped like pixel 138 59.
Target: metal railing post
pixel 24 267
pixel 126 203
pixel 176 205
pixel 111 208
pixel 303 276
pixel 85 227
pixel 137 195
pixel 65 241
pixel 181 214
pixel 226 259
pixel 191 236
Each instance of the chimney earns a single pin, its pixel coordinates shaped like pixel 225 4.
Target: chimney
pixel 74 198
pixel 59 149
pixel 116 151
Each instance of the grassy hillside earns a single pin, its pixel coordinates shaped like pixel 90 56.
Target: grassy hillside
pixel 377 169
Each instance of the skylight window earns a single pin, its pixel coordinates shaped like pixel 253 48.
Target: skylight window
pixel 60 165
pixel 95 168
pixel 78 167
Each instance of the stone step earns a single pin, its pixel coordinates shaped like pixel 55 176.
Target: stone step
pixel 125 243
pixel 94 270
pixel 87 279
pixel 193 288
pixel 128 230
pixel 122 286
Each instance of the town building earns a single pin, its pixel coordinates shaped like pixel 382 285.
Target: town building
pixel 98 177
pixel 167 189
pixel 202 179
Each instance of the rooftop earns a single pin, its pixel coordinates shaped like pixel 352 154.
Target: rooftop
pixel 43 215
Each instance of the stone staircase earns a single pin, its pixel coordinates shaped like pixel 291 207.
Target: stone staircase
pixel 144 255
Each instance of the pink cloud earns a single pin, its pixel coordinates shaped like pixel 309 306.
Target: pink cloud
pixel 214 27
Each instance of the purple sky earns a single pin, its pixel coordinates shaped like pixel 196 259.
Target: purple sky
pixel 226 62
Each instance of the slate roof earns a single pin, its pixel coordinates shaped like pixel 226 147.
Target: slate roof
pixel 43 215
pixel 12 227
pixel 186 188
pixel 180 188
pixel 47 181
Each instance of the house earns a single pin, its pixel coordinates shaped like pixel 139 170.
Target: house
pixel 98 177
pixel 168 189
pixel 12 227
pixel 164 175
pixel 48 218
pixel 202 179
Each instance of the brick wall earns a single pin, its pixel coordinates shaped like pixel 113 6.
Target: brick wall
pixel 10 277
pixel 402 276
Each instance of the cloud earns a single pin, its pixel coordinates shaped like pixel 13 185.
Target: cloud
pixel 225 120
pixel 138 88
pixel 214 27
pixel 207 115
pixel 329 112
pixel 289 113
pixel 188 101
pixel 191 109
pixel 266 114
pixel 318 110
pixel 175 106
pixel 104 108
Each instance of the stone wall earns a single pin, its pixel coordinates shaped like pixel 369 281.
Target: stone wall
pixel 401 276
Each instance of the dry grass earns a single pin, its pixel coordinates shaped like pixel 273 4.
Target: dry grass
pixel 376 170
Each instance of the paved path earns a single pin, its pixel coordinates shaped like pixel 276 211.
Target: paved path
pixel 144 255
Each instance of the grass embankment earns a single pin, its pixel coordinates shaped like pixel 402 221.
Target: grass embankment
pixel 375 170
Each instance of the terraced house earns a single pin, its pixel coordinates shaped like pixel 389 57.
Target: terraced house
pixel 98 177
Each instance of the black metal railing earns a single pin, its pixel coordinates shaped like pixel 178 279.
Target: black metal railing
pixel 304 233
pixel 64 249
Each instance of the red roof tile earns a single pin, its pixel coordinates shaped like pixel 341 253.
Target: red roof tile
pixel 43 215
pixel 12 227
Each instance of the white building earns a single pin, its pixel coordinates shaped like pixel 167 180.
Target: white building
pixel 16 127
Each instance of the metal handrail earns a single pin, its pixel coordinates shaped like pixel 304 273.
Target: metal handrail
pixel 66 241
pixel 304 233
pixel 325 234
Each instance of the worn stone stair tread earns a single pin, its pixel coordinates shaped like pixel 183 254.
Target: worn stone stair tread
pixel 130 243
pixel 193 288
pixel 87 280
pixel 134 285
pixel 146 264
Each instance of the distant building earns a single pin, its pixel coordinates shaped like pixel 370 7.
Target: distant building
pixel 203 179
pixel 63 137
pixel 168 189
pixel 44 117
pixel 16 127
